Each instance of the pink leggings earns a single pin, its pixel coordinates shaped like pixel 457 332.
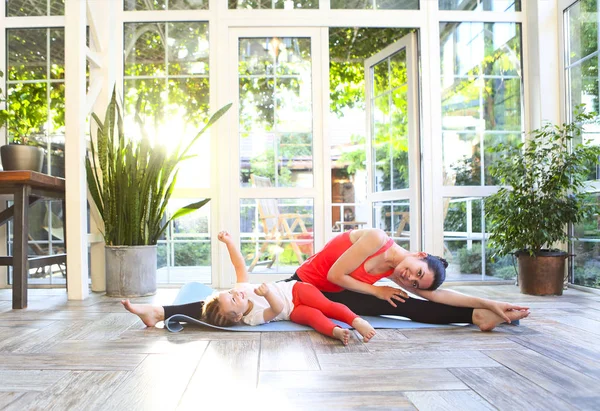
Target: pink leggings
pixel 312 308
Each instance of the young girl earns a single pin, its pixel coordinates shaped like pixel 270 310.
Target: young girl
pixel 299 302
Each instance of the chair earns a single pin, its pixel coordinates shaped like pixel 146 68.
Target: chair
pixel 279 228
pixel 403 220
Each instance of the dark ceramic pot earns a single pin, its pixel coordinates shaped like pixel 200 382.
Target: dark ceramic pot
pixel 22 157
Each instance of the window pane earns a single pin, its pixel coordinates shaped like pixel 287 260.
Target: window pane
pixel 27 54
pixel 276 234
pixel 481 5
pixel 481 96
pixel 137 5
pixel 376 4
pixel 275 91
pixel 583 90
pixel 57 54
pixel 145 49
pixel 187 49
pixel 274 4
pixel 583 30
pixel 57 7
pixel 184 252
pixel 57 130
pixel 393 217
pixel 464 242
pixel 15 8
pixel 586 248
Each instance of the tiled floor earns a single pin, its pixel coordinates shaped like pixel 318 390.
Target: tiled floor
pixel 88 355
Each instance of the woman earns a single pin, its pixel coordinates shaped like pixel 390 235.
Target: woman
pixel 350 263
pixel 348 266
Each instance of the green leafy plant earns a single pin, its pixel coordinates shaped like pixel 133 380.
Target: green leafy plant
pixel 131 181
pixel 25 113
pixel 546 178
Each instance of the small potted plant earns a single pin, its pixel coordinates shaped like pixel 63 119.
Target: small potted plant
pixel 23 117
pixel 543 192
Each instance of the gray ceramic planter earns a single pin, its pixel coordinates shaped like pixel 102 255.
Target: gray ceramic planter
pixel 22 157
pixel 130 271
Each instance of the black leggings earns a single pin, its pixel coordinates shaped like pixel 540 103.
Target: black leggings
pixel 193 310
pixel 422 311
pixel 364 304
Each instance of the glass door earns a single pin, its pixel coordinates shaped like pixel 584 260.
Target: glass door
pixel 277 165
pixel 393 163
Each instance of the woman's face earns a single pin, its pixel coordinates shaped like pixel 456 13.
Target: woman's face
pixel 413 272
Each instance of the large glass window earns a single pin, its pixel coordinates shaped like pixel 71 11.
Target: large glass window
pixel 276 126
pixel 276 233
pixel 16 8
pixel 166 90
pixel 349 47
pixel 581 77
pixel 274 4
pixel 465 246
pixel 142 5
pixel 35 101
pixel 375 4
pixel 481 5
pixel 482 106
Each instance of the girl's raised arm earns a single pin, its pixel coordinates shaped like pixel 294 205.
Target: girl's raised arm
pixel 235 256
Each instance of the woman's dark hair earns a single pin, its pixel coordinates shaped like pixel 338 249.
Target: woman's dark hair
pixel 438 266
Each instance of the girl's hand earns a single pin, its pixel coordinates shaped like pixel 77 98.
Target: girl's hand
pixel 501 308
pixel 224 237
pixel 262 290
pixel 385 292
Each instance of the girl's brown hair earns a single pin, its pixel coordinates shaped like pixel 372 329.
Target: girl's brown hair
pixel 212 314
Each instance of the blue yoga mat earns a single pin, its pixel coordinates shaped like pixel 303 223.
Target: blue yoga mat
pixel 192 292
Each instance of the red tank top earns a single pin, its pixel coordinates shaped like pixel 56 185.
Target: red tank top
pixel 314 270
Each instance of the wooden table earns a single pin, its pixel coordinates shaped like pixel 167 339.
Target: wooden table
pixel 27 188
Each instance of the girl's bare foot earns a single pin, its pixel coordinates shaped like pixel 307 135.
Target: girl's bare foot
pixel 364 328
pixel 341 334
pixel 487 320
pixel 149 314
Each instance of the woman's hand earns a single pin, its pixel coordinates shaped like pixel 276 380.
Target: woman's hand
pixel 501 308
pixel 385 292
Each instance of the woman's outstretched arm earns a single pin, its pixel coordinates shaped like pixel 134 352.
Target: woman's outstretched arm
pixel 456 299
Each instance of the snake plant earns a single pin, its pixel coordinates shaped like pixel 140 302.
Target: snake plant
pixel 131 181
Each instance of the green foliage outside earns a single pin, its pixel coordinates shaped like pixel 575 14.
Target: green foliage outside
pixel 470 263
pixel 587 276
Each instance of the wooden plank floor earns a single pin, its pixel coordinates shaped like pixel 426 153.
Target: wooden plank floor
pixel 93 355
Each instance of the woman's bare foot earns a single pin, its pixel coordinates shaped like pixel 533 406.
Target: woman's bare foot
pixel 149 314
pixel 487 320
pixel 364 328
pixel 341 334
pixel 224 237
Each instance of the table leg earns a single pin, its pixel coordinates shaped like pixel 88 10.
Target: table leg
pixel 20 247
pixel 64 221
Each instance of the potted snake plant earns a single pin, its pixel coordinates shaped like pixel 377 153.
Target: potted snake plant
pixel 543 192
pixel 131 182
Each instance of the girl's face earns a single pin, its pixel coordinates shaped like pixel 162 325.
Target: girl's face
pixel 413 272
pixel 233 304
